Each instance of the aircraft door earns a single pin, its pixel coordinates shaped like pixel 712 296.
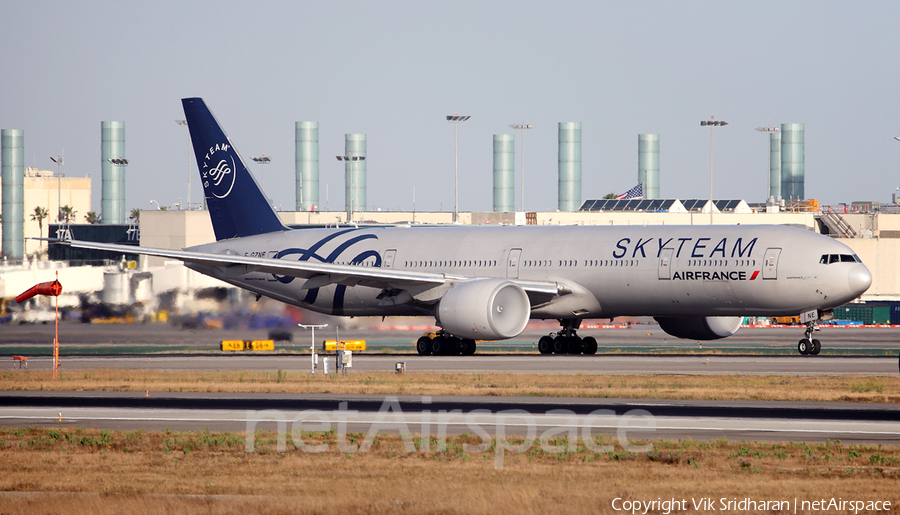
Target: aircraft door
pixel 665 264
pixel 388 261
pixel 271 255
pixel 512 264
pixel 770 263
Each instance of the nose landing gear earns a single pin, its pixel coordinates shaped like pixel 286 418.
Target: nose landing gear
pixel 809 345
pixel 566 341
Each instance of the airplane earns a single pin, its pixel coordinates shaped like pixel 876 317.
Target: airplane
pixel 487 282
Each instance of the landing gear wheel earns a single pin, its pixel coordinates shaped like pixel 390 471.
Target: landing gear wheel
pixel 559 345
pixel 439 346
pixel 573 345
pixel 590 345
pixel 467 347
pixel 545 345
pixel 808 345
pixel 423 346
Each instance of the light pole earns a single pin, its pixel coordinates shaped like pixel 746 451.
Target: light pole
pixel 898 139
pixel 769 130
pixel 59 162
pixel 350 157
pixel 522 127
pixel 456 119
pixel 312 344
pixel 262 161
pixel 157 204
pixel 711 124
pixel 190 201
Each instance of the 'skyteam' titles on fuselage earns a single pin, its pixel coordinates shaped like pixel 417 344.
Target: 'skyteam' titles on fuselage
pixel 736 249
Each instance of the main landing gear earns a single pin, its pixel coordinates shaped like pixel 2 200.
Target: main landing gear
pixel 566 341
pixel 443 344
pixel 809 345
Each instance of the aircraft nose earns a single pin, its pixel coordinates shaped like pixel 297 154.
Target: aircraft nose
pixel 860 279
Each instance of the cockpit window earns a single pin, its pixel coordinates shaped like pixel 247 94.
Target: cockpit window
pixel 827 259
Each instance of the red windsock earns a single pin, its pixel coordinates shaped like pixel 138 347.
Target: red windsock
pixel 52 288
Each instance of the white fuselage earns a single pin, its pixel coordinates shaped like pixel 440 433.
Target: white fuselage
pixel 603 271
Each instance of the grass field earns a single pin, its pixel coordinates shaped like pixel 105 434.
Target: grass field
pixel 75 470
pixel 90 471
pixel 718 387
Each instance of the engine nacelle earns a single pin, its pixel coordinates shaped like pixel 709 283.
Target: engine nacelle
pixel 700 328
pixel 487 309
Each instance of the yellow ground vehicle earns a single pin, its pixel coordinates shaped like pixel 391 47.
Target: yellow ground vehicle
pixel 786 320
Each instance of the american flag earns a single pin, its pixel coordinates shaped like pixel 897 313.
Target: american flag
pixel 636 192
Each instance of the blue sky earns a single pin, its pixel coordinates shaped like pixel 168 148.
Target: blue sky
pixel 393 70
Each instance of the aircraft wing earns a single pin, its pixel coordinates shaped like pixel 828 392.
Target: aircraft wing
pixel 316 274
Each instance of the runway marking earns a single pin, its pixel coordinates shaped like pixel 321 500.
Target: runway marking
pixel 389 422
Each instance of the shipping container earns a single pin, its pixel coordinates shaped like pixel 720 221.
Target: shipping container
pixel 865 313
pixel 894 306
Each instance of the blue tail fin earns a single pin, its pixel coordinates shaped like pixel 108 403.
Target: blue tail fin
pixel 237 206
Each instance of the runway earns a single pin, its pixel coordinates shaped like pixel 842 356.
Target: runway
pixel 712 364
pixel 640 419
pixel 150 338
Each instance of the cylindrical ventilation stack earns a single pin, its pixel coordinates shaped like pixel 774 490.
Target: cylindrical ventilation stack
pixel 306 167
pixel 792 165
pixel 569 166
pixel 504 173
pixel 113 192
pixel 775 164
pixel 648 164
pixel 355 172
pixel 13 205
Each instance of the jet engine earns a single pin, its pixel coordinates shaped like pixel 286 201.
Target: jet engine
pixel 486 309
pixel 700 328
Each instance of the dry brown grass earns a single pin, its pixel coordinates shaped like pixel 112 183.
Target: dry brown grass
pixel 89 471
pixel 718 387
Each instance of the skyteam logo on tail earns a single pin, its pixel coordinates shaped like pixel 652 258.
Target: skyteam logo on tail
pixel 218 171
